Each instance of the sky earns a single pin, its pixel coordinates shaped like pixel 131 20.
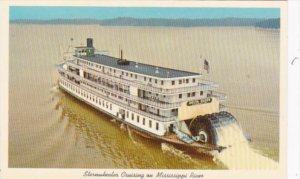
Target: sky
pixel 52 12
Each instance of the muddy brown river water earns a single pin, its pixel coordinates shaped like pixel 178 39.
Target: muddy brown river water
pixel 50 129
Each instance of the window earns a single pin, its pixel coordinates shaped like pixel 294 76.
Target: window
pixel 126 74
pixel 145 78
pixel 127 114
pixel 122 73
pixel 187 81
pixel 150 123
pixel 155 81
pixel 138 118
pixel 193 94
pixel 180 96
pixel 189 95
pixel 162 82
pixel 201 93
pixel 132 116
pixel 194 80
pixel 144 121
pixel 131 75
pixel 173 82
pixel 110 106
pixel 150 79
pixel 180 81
pixel 157 126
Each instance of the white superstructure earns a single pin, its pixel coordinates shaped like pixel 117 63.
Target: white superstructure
pixel 151 99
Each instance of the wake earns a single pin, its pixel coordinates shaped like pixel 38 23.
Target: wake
pixel 238 154
pixel 243 157
pixel 168 148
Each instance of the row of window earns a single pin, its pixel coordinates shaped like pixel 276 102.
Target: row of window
pixel 88 96
pixel 190 94
pixel 184 81
pixel 82 51
pixel 105 103
pixel 143 121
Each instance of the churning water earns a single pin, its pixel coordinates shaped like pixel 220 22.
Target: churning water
pixel 238 154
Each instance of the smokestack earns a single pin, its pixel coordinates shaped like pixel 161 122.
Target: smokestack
pixel 89 42
pixel 122 61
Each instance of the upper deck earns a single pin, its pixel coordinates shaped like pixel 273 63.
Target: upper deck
pixel 139 68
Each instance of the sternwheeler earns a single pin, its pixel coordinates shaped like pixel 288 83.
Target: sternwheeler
pixel 170 105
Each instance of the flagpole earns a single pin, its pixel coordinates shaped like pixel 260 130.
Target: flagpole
pixel 200 65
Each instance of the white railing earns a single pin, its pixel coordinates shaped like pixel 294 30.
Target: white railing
pixel 152 116
pixel 220 96
pixel 203 85
pixel 134 98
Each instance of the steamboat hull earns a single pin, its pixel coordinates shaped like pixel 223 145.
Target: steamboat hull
pixel 197 147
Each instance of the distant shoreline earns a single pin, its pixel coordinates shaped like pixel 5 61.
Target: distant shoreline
pixel 252 27
pixel 155 22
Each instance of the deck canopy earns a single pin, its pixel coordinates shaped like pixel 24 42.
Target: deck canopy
pixel 140 68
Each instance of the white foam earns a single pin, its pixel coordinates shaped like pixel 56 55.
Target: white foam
pixel 243 157
pixel 238 154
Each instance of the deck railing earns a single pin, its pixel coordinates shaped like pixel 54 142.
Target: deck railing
pixel 125 106
pixel 156 104
pixel 203 85
pixel 220 96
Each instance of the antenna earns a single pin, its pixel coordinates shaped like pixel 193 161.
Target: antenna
pixel 119 51
pixel 67 53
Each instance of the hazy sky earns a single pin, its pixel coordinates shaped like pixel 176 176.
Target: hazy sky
pixel 27 12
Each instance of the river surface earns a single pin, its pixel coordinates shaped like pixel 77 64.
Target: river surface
pixel 50 129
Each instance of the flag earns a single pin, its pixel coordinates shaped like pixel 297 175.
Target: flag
pixel 206 66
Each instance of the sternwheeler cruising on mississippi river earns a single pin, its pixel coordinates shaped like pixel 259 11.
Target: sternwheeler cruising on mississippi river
pixel 166 104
